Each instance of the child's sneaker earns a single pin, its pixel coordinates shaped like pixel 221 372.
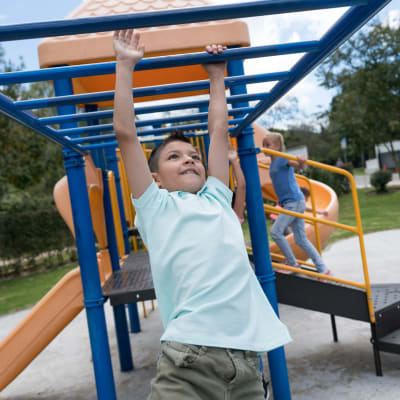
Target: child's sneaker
pixel 328 272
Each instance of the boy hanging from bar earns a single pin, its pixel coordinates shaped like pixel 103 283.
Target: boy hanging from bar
pixel 215 314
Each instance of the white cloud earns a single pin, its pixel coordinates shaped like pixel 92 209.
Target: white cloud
pixel 393 19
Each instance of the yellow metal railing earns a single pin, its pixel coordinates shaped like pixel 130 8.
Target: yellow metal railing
pixel 357 229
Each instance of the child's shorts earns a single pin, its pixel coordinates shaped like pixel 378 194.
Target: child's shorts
pixel 189 372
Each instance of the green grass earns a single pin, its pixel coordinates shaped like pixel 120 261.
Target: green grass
pixel 379 212
pixel 358 171
pixel 24 291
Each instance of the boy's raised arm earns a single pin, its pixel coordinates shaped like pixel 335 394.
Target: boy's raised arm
pixel 128 53
pixel 218 165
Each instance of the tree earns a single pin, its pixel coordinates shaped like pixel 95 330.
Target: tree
pixel 282 111
pixel 28 162
pixel 366 72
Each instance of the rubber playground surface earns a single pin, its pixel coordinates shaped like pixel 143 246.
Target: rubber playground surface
pixel 318 367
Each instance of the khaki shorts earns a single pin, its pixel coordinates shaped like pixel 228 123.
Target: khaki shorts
pixel 189 372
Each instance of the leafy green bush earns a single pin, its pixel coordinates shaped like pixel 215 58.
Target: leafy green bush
pixel 32 232
pixel 380 179
pixel 339 183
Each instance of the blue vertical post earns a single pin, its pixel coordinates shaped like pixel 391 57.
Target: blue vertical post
pixel 259 237
pixel 93 298
pixel 97 154
pixel 85 243
pixel 206 138
pixel 121 324
pixel 112 163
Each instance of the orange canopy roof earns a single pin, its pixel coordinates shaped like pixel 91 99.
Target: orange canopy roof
pixel 98 47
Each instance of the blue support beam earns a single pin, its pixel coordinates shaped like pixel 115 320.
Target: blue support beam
pixel 179 60
pixel 29 120
pixel 93 298
pixel 109 95
pixel 98 115
pixel 259 238
pixel 64 86
pixel 98 154
pixel 110 127
pixel 121 323
pixel 112 163
pixel 149 63
pixel 166 17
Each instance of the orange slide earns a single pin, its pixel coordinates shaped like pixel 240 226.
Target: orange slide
pixel 65 300
pixel 325 200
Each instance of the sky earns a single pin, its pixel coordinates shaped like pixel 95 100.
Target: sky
pixel 263 30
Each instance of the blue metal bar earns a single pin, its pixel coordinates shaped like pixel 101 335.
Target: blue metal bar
pixel 110 127
pixel 121 323
pixel 112 163
pixel 108 114
pixel 64 86
pixel 156 131
pixel 115 143
pixel 7 107
pixel 98 154
pixel 93 298
pixel 145 91
pixel 134 318
pixel 204 109
pixel 178 60
pixel 100 145
pixel 86 116
pixel 109 95
pixel 259 238
pixel 349 23
pixel 166 17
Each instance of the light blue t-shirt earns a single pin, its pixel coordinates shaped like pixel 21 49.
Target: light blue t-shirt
pixel 207 292
pixel 284 181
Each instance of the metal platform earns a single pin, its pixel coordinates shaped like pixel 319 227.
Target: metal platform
pixel 132 283
pixel 390 343
pixel 327 297
pixel 386 299
pixel 385 295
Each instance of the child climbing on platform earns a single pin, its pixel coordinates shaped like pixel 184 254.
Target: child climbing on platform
pixel 215 314
pixel 290 198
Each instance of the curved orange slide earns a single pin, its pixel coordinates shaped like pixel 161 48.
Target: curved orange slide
pixel 325 200
pixel 65 300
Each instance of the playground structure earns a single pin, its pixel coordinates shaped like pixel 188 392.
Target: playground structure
pixel 77 84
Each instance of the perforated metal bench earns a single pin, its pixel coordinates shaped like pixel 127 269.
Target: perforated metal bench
pixel 132 283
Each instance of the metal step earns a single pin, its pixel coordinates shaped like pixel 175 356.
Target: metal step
pixel 390 343
pixel 132 283
pixel 327 297
pixel 386 298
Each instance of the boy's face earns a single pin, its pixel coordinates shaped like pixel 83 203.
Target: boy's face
pixel 180 168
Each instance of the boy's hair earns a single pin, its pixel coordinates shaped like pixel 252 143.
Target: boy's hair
pixel 277 138
pixel 305 191
pixel 155 154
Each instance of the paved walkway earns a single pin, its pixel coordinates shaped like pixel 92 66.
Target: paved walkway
pixel 363 181
pixel 318 368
